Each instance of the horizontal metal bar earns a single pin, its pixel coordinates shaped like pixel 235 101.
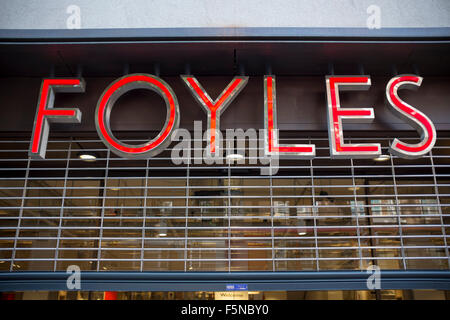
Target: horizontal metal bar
pixel 234 259
pixel 235 166
pixel 227 227
pixel 281 196
pixel 404 205
pixel 234 217
pixel 387 185
pixel 231 238
pixel 320 247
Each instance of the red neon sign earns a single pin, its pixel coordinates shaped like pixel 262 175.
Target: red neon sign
pixel 412 116
pixel 215 108
pixel 118 88
pixel 272 147
pixel 339 149
pixel 46 114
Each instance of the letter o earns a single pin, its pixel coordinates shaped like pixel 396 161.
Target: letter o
pixel 109 98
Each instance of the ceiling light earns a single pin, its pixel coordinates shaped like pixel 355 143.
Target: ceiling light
pixel 114 189
pixel 301 233
pixel 162 232
pixel 354 188
pixel 382 157
pixel 87 156
pixel 235 157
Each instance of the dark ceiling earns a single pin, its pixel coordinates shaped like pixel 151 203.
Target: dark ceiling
pixel 224 57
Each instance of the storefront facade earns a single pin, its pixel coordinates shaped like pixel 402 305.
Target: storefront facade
pixel 152 223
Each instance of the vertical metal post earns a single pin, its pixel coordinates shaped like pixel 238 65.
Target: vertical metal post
pixel 438 201
pixel 398 213
pixel 369 221
pixel 105 187
pixel 19 220
pixel 144 215
pixel 61 213
pixel 229 216
pixel 186 223
pixel 355 199
pixel 313 211
pixel 271 215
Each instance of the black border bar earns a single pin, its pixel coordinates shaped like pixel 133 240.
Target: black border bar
pixel 217 281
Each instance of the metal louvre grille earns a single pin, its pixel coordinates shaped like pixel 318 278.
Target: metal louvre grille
pixel 142 215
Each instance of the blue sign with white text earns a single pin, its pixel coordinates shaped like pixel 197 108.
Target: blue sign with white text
pixel 237 287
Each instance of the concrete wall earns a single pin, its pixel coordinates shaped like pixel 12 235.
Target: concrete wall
pixel 74 14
